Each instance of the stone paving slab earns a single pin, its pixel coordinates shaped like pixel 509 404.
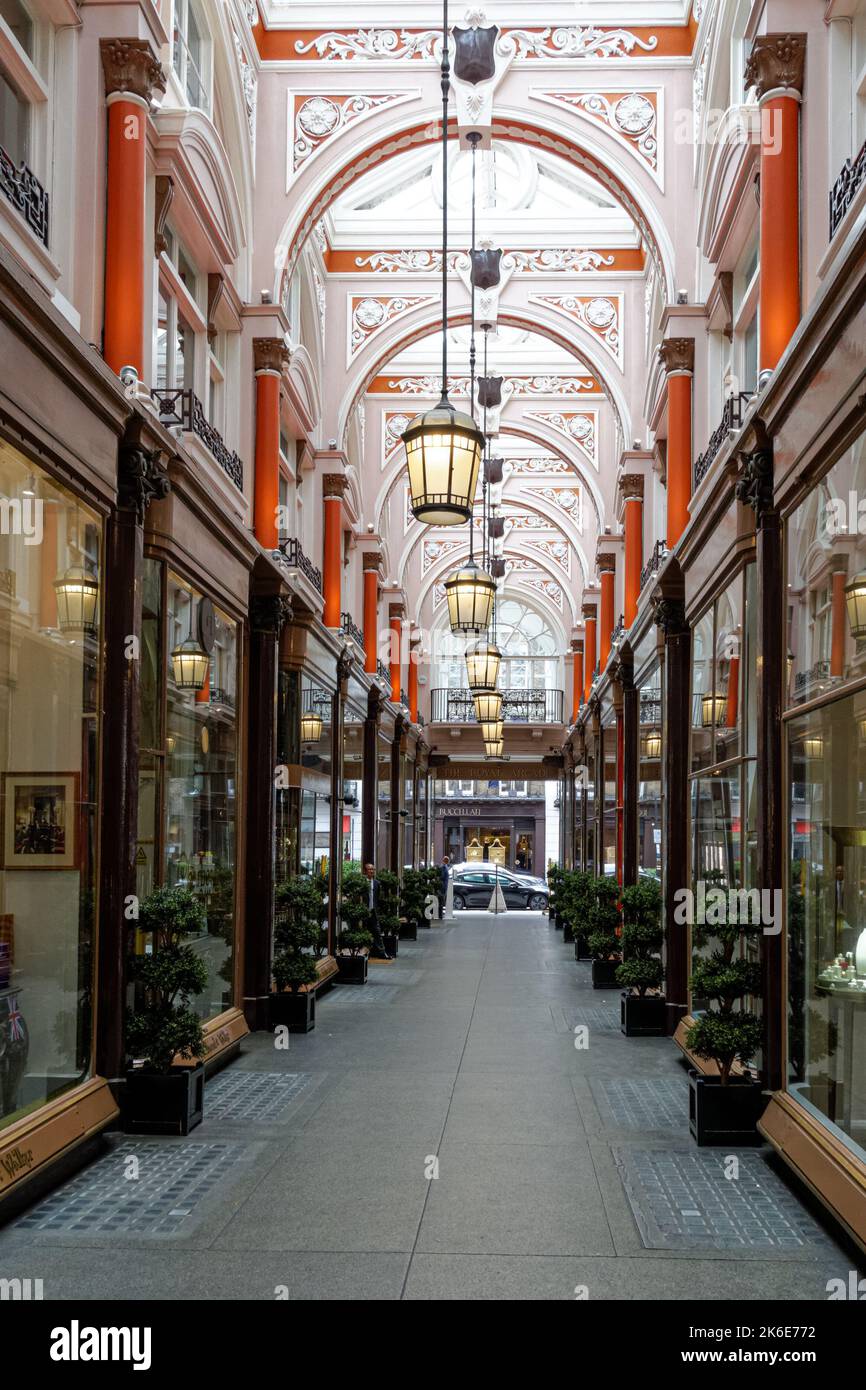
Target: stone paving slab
pixel 645 1103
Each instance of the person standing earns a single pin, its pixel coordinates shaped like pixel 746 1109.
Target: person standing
pixel 377 951
pixel 444 875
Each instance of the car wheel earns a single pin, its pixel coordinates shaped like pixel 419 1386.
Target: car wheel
pixel 459 902
pixel 536 902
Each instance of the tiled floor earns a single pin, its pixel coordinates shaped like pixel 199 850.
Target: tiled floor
pixel 442 1134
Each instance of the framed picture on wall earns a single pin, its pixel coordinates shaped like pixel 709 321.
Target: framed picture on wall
pixel 40 820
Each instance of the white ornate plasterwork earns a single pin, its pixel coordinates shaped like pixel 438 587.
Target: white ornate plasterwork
pixel 559 552
pixel 560 41
pixel 567 499
pixel 544 384
pixel 581 428
pixel 549 260
pixel 321 300
pixel 548 587
pixel 369 314
pixel 573 41
pixel 317 117
pixel 698 83
pixel 394 422
pixel 336 45
pixel 533 465
pixel 434 551
pixel 633 117
pixel 600 314
pixel 252 11
pixel 249 82
pixel 321 235
pixel 439 595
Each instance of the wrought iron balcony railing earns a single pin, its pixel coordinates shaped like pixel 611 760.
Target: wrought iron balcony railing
pixel 383 671
pixel 26 194
pixel 518 706
pixel 294 555
pixel 654 563
pixel 732 419
pixel 618 632
pixel 845 189
pixel 819 672
pixel 184 409
pixel 351 629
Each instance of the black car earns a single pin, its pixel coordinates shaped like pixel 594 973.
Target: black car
pixel 475 887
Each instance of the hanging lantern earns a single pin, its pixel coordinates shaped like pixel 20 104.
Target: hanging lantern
pixel 311 727
pixel 488 706
pixel 492 730
pixel 190 665
pixel 77 597
pixel 714 709
pixel 495 748
pixel 485 267
pixel 482 667
pixel 474 58
pixel 470 592
pixel 813 746
pixel 443 453
pixel 855 600
pixel 493 471
pixel 489 392
pixel 652 746
pixel 170 743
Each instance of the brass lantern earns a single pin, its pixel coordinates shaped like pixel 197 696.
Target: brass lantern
pixel 77 596
pixel 813 746
pixel 492 730
pixel 855 601
pixel 652 746
pixel 482 667
pixel 494 748
pixel 488 706
pixel 311 727
pixel 470 592
pixel 190 665
pixel 714 710
pixel 443 453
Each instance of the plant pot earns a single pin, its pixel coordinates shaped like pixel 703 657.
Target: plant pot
pixel 643 1016
pixel 352 970
pixel 725 1115
pixel 408 931
pixel 567 931
pixel 297 1012
pixel 391 940
pixel 604 974
pixel 581 947
pixel 157 1103
pixel 557 920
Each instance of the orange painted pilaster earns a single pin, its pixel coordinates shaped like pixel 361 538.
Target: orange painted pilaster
pixel 395 623
pixel 732 711
pixel 838 624
pixel 371 613
pixel 589 647
pixel 678 356
pixel 334 485
pixel 48 569
pixel 268 354
pixel 577 680
pixel 776 68
pixel 607 570
pixel 132 75
pixel 632 491
pixel 414 655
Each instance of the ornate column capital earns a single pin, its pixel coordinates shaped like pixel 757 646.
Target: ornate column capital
pixel 606 563
pixel 755 486
pixel 589 610
pixel 334 485
pixel 270 355
pixel 776 65
pixel 678 356
pixel 269 613
pixel 370 562
pixel 669 614
pixel 131 68
pixel 631 486
pixel 577 647
pixel 396 612
pixel 141 477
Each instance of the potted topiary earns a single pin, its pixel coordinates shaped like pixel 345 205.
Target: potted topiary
pixel 298 909
pixel 642 1014
pixel 725 1109
pixel 413 899
pixel 577 896
pixel 604 931
pixel 161 1027
pixel 355 937
pixel 555 876
pixel 388 909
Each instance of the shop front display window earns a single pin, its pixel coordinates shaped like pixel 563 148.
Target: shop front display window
pixel 650 744
pixel 608 856
pixel 50 675
pixel 383 840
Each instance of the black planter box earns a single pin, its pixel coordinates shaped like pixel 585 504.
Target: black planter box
pixel 391 940
pixel 154 1103
pixel 352 970
pixel 725 1115
pixel 297 1012
pixel 408 931
pixel 581 947
pixel 567 931
pixel 557 920
pixel 604 974
pixel 643 1017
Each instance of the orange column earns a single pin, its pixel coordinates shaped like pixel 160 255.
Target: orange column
pixel 132 75
pixel 414 654
pixel 334 485
pixel 589 647
pixel 371 613
pixel 776 68
pixel 837 624
pixel 48 568
pixel 269 355
pixel 577 680
pixel 632 492
pixel 732 711
pixel 607 570
pixel 678 355
pixel 395 623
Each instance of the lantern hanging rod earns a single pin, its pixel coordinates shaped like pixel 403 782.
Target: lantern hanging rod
pixel 446 85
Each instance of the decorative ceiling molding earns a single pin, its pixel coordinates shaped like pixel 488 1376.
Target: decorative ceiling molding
pixel 433 551
pixel 599 314
pixel 581 428
pixel 559 552
pixel 567 499
pixel 314 118
pixel 559 42
pixel 532 465
pixel 550 260
pixel 394 422
pixel 540 384
pixel 633 117
pixel 540 260
pixel 368 314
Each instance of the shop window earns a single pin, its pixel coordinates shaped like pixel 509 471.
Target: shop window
pixel 216 400
pixel 175 346
pixel 191 53
pixel 383 839
pixel 50 675
pixel 16 33
pixel 650 745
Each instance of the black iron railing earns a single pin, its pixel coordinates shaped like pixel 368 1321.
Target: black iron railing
pixel 654 563
pixel 222 697
pixel 404 698
pixel 732 419
pixel 819 672
pixel 295 557
pixel 383 671
pixel 183 408
pixel 26 194
pixel 618 632
pixel 845 189
pixel 650 708
pixel 351 629
pixel 518 706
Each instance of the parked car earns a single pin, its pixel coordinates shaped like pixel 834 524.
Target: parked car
pixel 474 887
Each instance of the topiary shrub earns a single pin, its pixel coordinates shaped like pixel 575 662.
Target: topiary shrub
pixel 413 894
pixel 642 937
pixel 725 1033
pixel 604 918
pixel 389 901
pixel 355 913
pixel 297 933
pixel 575 899
pixel 161 1025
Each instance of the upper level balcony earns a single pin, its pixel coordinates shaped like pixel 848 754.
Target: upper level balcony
pixel 518 706
pixel 183 410
pixel 848 184
pixel 23 190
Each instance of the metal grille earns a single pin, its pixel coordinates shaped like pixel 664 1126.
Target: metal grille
pixel 645 1104
pixel 254 1095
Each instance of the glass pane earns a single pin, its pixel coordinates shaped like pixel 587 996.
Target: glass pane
pixel 49 733
pixel 702 693
pixel 163 368
pixel 728 671
pixel 383 848
pixel 14 123
pixel 19 21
